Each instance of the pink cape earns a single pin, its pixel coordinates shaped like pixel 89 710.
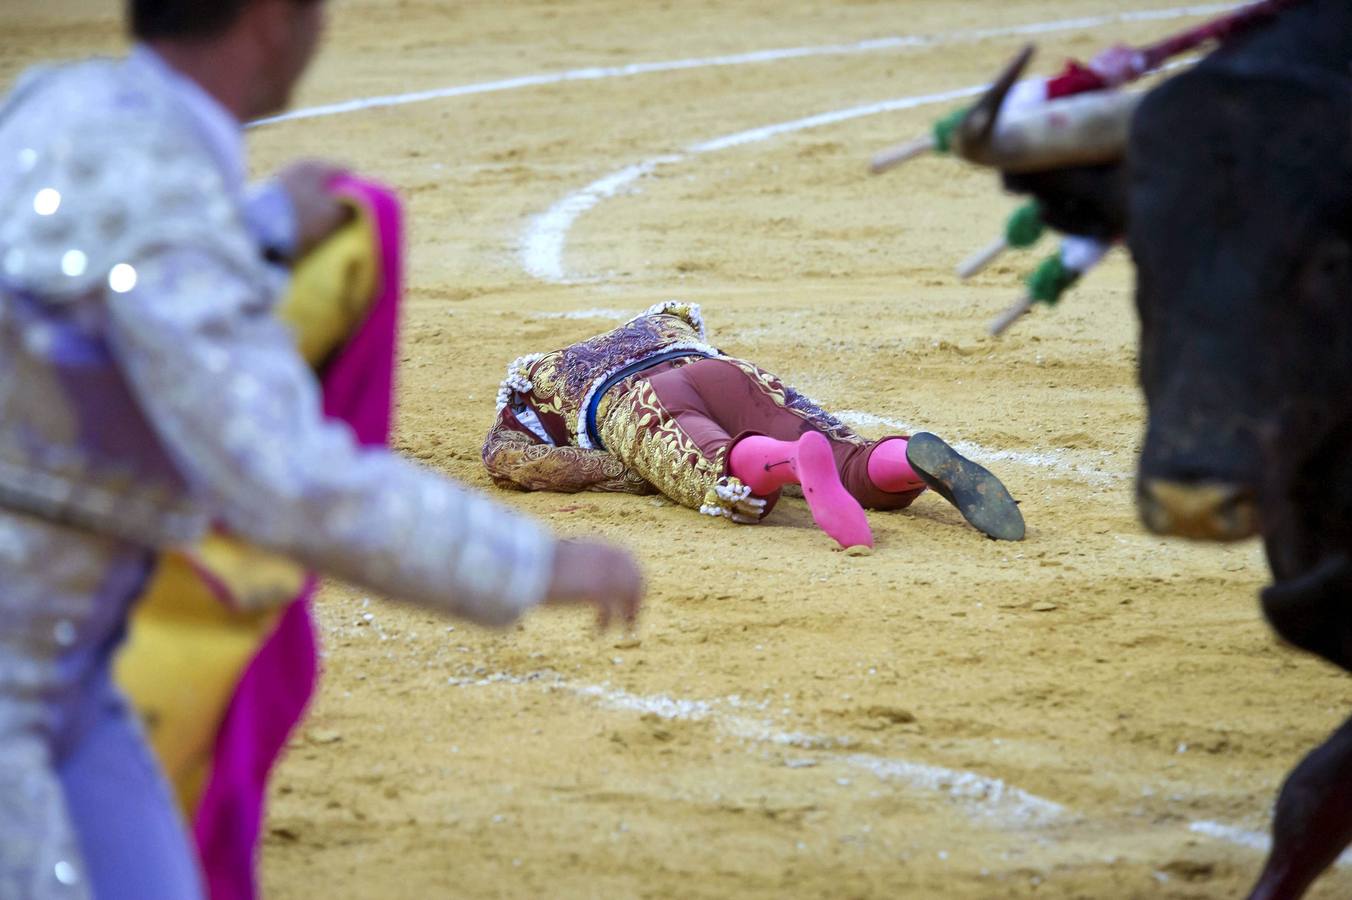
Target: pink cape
pixel 277 685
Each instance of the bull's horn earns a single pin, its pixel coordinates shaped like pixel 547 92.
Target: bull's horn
pixel 1082 130
pixel 978 126
pixel 1024 229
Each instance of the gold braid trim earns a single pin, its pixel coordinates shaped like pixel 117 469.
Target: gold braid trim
pixel 519 461
pixel 641 431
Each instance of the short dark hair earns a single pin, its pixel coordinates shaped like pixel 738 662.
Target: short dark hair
pixel 151 19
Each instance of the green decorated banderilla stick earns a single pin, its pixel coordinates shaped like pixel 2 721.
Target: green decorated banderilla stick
pixel 1050 280
pixel 1024 228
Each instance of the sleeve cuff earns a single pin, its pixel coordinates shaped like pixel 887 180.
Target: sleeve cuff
pixel 270 217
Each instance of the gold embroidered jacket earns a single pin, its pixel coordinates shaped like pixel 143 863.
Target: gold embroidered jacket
pixel 541 442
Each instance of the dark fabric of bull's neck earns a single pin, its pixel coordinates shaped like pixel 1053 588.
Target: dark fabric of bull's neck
pixel 1312 38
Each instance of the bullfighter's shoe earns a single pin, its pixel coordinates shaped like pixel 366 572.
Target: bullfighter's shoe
pixel 978 495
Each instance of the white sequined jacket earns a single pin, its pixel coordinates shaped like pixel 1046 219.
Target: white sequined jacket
pixel 146 388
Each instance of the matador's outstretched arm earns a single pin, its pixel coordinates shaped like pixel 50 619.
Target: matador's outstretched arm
pixel 518 460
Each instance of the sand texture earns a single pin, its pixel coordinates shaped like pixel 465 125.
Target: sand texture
pixel 945 717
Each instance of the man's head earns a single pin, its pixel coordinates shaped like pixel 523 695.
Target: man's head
pixel 259 48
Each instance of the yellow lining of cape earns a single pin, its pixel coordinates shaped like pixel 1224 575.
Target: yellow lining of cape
pixel 187 646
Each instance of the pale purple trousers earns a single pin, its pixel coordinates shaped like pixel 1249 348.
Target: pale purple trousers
pixel 84 809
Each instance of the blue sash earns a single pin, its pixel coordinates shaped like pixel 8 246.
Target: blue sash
pixel 621 375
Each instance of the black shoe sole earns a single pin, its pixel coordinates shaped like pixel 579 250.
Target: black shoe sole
pixel 975 492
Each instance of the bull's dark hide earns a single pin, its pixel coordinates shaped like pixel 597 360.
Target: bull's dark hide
pixel 1309 611
pixel 1235 197
pixel 1090 201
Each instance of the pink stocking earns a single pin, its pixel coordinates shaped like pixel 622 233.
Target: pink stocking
pixel 765 465
pixel 888 469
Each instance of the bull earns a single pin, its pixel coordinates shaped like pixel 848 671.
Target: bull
pixel 1234 195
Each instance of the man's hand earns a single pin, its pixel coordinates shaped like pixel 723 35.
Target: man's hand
pixel 604 576
pixel 318 212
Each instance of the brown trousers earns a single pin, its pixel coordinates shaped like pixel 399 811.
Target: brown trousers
pixel 711 403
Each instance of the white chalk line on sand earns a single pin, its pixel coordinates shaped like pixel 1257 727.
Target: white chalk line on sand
pixel 542 245
pixel 985 798
pixel 1254 840
pixel 616 314
pixel 597 73
pixel 1056 460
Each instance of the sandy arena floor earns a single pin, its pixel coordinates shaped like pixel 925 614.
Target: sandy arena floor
pixel 1094 713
